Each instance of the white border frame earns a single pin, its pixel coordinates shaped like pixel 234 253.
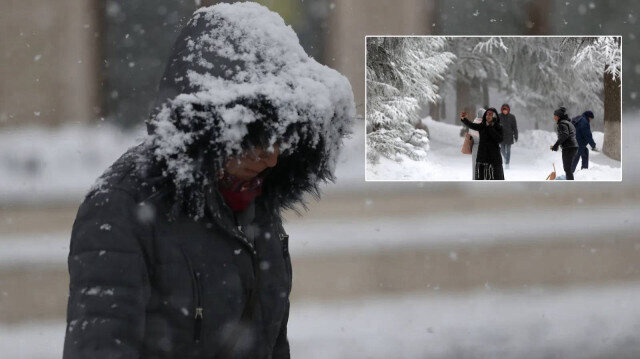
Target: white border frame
pixel 474 181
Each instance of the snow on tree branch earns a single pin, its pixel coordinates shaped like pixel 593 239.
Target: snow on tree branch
pixel 488 45
pixel 605 52
pixel 401 71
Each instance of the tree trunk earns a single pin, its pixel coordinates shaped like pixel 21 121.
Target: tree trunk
pixel 434 110
pixel 485 94
pixel 443 109
pixel 463 98
pixel 612 117
pixel 477 95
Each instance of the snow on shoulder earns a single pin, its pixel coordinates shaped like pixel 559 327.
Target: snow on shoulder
pixel 236 67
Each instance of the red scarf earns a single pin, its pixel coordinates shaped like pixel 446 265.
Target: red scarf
pixel 239 194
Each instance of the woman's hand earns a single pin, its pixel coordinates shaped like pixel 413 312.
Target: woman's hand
pixel 463 114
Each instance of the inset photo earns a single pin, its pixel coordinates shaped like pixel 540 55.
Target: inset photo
pixel 514 108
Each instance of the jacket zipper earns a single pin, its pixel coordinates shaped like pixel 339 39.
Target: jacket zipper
pixel 284 239
pixel 199 309
pixel 197 294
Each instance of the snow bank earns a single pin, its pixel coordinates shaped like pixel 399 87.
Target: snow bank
pixel 531 159
pixel 536 139
pixel 405 168
pixel 444 132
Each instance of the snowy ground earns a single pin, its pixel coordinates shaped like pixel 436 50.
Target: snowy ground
pixel 531 159
pixel 60 164
pixel 51 165
pixel 534 323
pixel 584 323
pixel 311 237
pixel 39 164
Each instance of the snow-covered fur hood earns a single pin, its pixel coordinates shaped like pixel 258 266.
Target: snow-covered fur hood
pixel 496 117
pixel 237 78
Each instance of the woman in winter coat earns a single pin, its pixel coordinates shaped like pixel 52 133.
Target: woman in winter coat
pixel 566 139
pixel 509 132
pixel 476 140
pixel 489 159
pixel 179 250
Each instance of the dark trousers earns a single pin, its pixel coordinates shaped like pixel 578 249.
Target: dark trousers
pixel 568 155
pixel 488 171
pixel 506 152
pixel 583 152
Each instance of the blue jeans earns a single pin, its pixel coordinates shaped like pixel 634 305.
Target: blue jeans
pixel 583 152
pixel 506 152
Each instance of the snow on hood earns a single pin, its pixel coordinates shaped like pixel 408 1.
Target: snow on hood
pixel 237 67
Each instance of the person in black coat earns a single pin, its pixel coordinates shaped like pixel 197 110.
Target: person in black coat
pixel 566 139
pixel 489 160
pixel 584 137
pixel 179 250
pixel 509 132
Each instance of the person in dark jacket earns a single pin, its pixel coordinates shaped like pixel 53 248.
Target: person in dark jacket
pixel 179 250
pixel 489 160
pixel 509 132
pixel 584 137
pixel 566 139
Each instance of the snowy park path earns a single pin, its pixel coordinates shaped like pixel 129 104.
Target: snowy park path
pixel 589 322
pixel 531 159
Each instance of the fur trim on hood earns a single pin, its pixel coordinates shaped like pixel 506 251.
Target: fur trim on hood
pixel 238 78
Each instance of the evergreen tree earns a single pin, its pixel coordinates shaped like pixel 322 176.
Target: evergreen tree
pixel 401 72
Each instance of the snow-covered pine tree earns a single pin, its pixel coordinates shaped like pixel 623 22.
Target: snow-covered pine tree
pixel 540 75
pixel 401 71
pixel 474 70
pixel 604 56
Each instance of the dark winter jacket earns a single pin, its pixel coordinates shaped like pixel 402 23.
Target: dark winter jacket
pixel 159 265
pixel 566 134
pixel 144 284
pixel 583 131
pixel 509 128
pixel 490 138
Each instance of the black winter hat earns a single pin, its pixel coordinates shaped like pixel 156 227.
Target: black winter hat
pixel 561 112
pixel 588 114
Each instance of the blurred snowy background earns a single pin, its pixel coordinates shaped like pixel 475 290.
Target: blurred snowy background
pixel 406 270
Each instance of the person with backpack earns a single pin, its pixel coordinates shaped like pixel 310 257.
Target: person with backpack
pixel 510 132
pixel 584 137
pixel 488 160
pixel 566 139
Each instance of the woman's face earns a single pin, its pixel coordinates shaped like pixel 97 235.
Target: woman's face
pixel 252 162
pixel 556 118
pixel 489 116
